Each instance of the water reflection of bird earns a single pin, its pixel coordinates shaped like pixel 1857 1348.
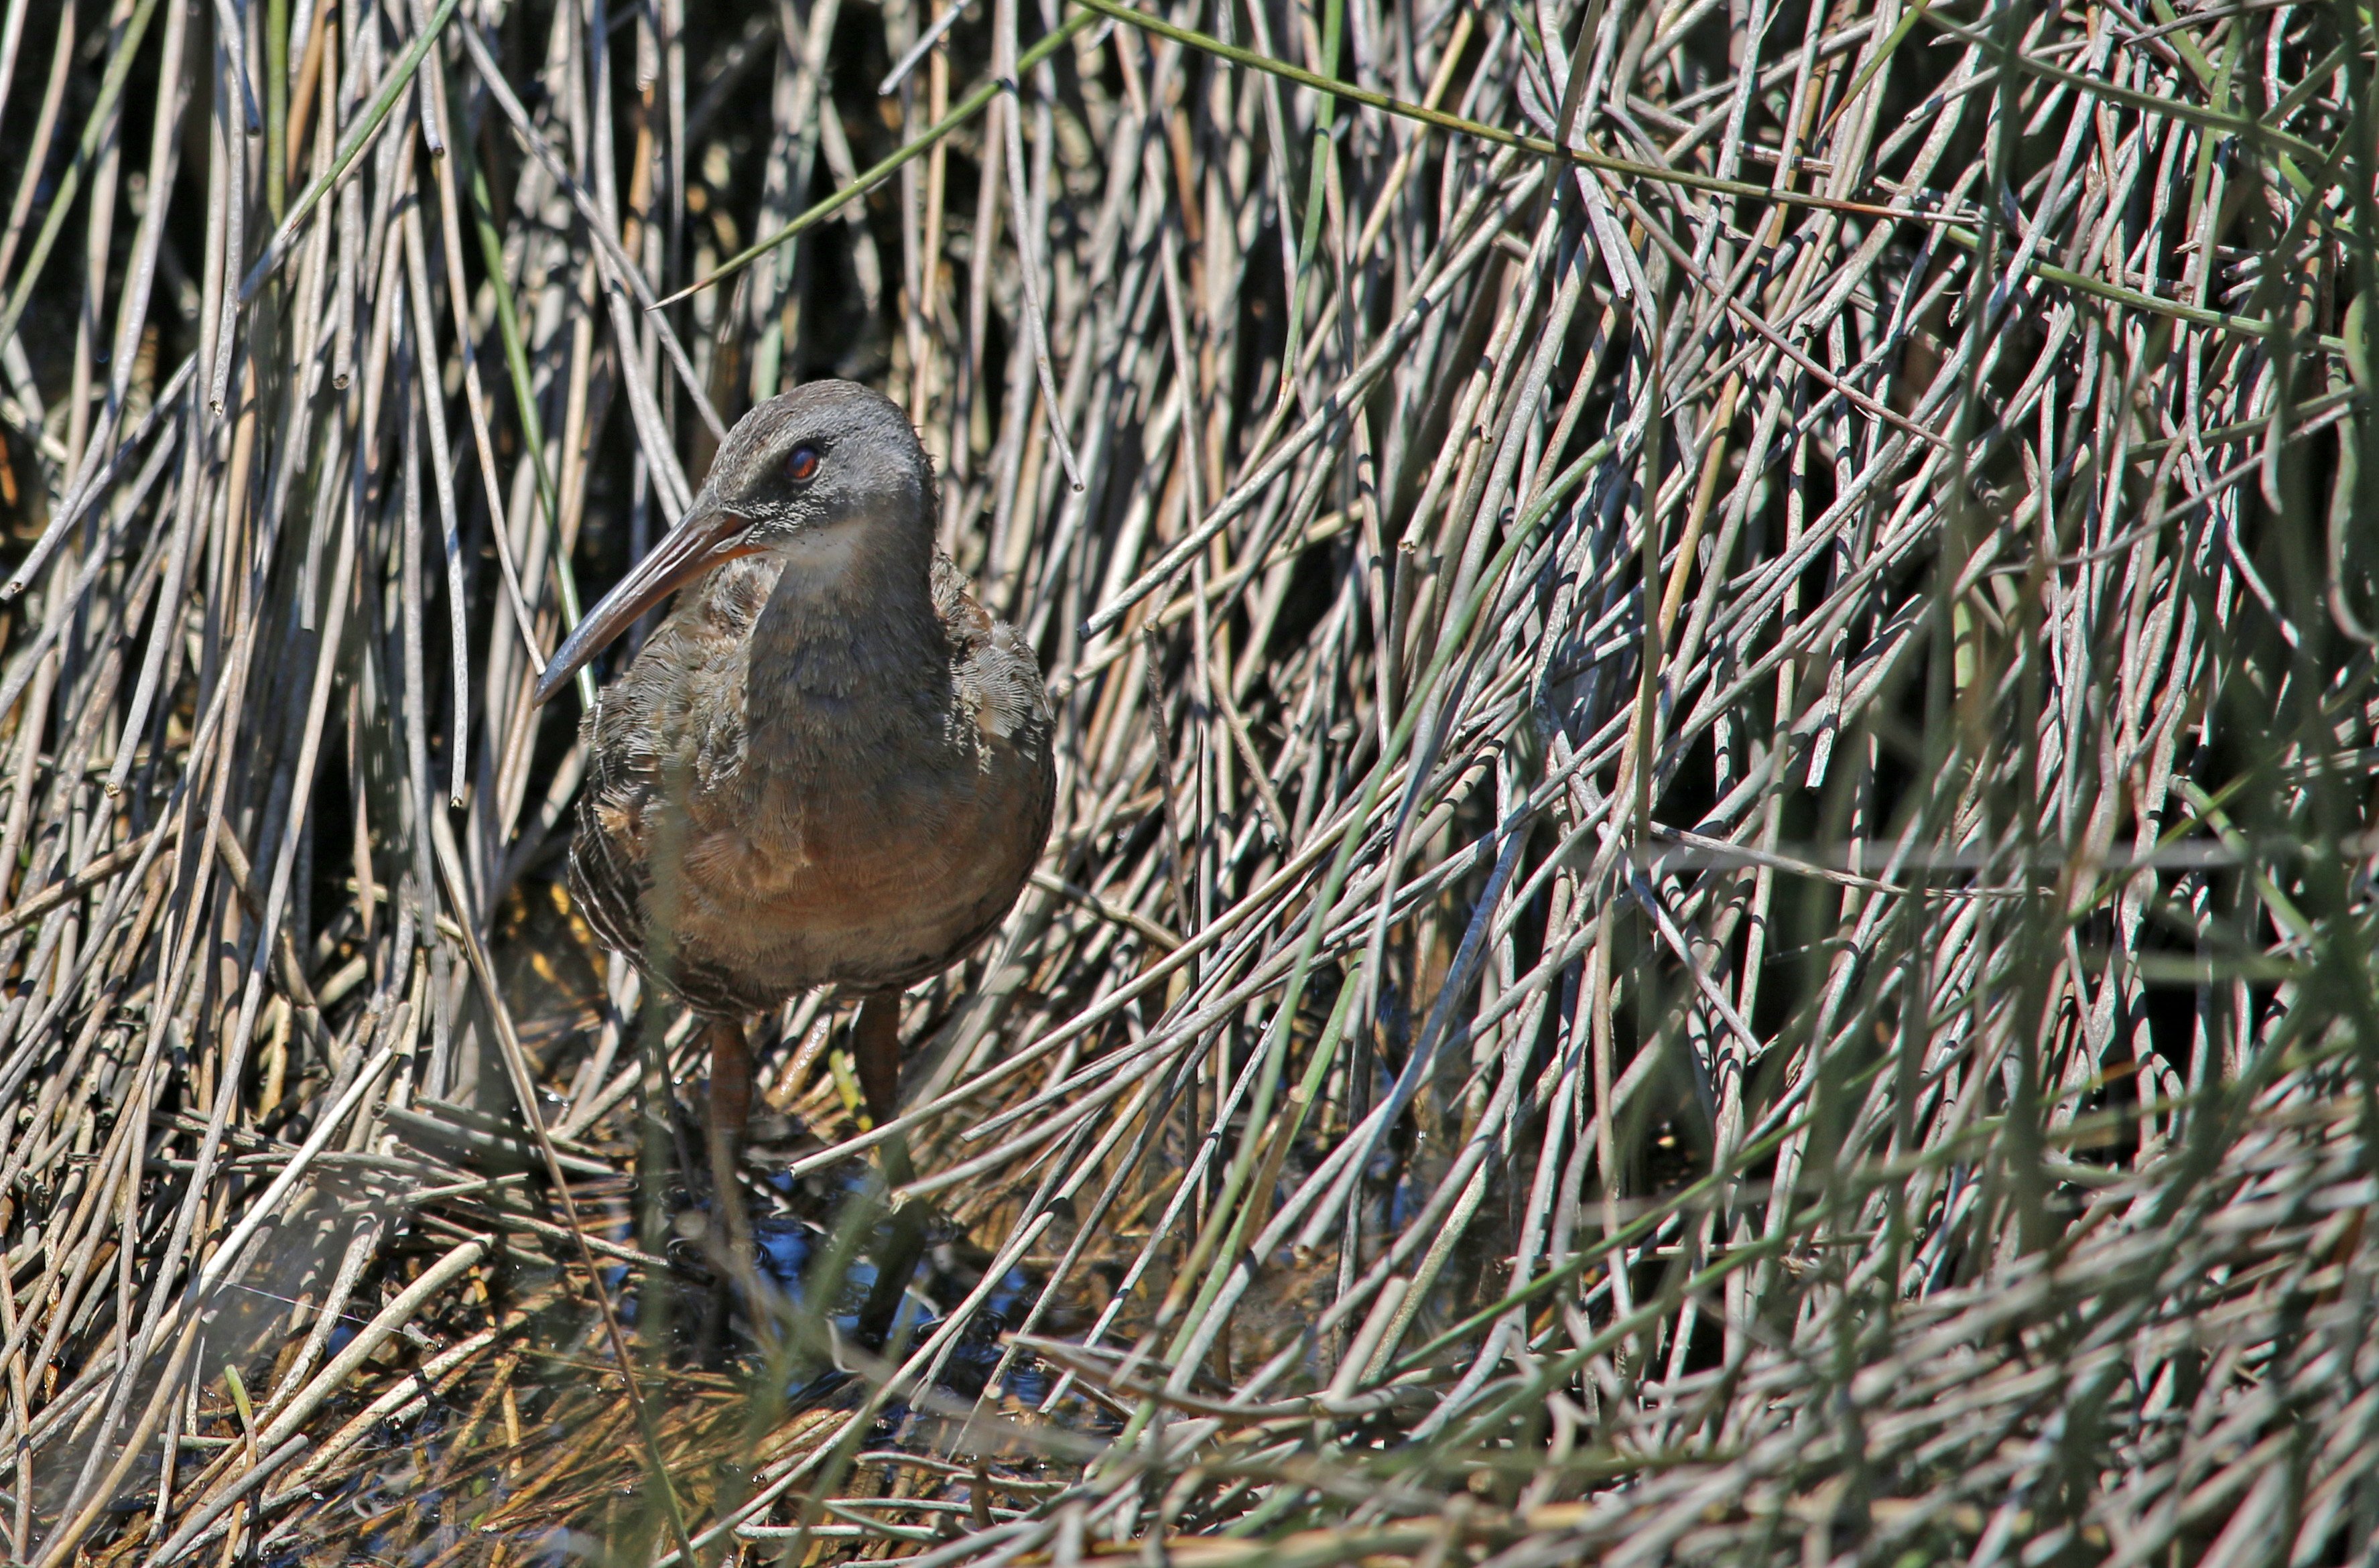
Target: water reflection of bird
pixel 827 766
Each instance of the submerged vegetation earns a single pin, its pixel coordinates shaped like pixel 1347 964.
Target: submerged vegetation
pixel 1711 898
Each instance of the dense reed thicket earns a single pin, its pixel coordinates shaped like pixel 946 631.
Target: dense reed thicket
pixel 1711 894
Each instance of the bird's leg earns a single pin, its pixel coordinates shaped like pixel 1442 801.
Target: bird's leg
pixel 731 1106
pixel 875 1052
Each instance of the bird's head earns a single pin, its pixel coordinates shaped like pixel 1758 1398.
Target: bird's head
pixel 806 474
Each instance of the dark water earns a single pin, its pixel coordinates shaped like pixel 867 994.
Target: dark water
pixel 788 1250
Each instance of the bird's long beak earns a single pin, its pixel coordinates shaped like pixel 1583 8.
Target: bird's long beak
pixel 709 536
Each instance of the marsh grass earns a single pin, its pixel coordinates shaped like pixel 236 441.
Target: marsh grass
pixel 1712 893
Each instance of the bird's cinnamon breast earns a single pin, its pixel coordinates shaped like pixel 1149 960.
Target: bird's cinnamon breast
pixel 866 832
pixel 870 896
pixel 861 895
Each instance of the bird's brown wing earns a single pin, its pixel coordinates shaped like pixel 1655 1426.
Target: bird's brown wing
pixel 1001 693
pixel 998 680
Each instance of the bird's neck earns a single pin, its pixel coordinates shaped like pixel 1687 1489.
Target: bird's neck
pixel 848 633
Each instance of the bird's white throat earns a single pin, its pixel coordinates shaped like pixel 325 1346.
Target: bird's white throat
pixel 822 556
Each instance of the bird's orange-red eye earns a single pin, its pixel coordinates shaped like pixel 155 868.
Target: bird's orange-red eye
pixel 802 466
